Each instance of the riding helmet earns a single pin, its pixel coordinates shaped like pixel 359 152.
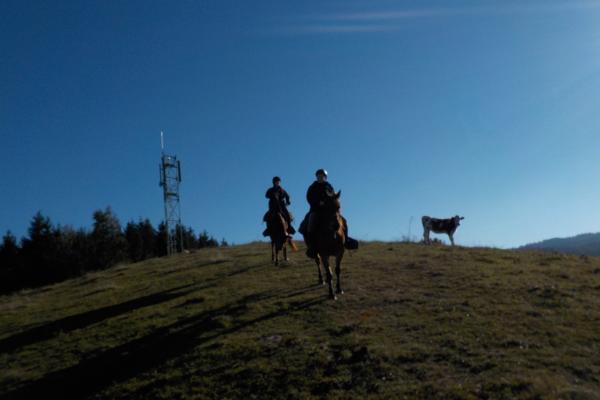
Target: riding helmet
pixel 321 172
pixel 276 179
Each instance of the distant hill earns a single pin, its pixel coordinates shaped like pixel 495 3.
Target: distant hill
pixel 584 244
pixel 415 322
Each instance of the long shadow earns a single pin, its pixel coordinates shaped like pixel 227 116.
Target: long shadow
pixel 135 357
pixel 191 267
pixel 294 293
pixel 243 270
pixel 79 321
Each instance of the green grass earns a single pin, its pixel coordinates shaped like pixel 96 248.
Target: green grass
pixel 415 322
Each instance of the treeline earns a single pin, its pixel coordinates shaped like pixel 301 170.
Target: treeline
pixel 53 253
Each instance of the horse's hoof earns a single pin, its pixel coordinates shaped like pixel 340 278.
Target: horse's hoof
pixel 339 291
pixel 333 297
pixel 321 283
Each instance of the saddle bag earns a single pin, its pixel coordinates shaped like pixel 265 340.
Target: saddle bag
pixel 351 244
pixel 302 227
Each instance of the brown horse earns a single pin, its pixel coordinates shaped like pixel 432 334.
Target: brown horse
pixel 278 227
pixel 329 238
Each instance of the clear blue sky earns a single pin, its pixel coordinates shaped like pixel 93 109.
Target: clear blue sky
pixel 487 109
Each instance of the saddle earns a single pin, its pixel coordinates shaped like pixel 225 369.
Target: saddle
pixel 333 225
pixel 320 223
pixel 270 217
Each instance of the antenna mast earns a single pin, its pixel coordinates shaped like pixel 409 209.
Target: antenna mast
pixel 170 179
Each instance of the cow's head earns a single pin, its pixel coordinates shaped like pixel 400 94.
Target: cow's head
pixel 457 219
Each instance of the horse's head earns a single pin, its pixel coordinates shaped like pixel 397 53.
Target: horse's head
pixel 332 220
pixel 332 202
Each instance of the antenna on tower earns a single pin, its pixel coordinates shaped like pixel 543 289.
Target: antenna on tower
pixel 170 179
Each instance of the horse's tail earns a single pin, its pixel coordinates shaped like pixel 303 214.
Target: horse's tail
pixel 292 244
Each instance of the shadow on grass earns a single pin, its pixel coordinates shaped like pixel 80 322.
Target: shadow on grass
pixel 137 356
pixel 79 321
pixel 245 269
pixel 294 293
pixel 191 267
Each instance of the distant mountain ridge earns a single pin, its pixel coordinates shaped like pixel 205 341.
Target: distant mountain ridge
pixel 585 244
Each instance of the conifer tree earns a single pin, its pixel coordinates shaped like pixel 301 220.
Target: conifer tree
pixel 108 242
pixel 9 251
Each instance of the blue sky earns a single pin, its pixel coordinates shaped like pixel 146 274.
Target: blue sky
pixel 486 109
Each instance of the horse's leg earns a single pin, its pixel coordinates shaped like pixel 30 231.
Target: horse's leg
pixel 285 257
pixel 272 252
pixel 338 270
pixel 275 254
pixel 325 260
pixel 321 281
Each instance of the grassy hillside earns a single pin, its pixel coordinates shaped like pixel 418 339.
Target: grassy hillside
pixel 415 322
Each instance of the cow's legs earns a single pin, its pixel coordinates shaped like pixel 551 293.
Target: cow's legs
pixel 338 262
pixel 426 236
pixel 451 238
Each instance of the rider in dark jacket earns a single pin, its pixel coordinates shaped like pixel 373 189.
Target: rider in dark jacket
pixel 317 192
pixel 316 195
pixel 278 202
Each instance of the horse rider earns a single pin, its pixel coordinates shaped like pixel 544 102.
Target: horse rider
pixel 278 202
pixel 316 196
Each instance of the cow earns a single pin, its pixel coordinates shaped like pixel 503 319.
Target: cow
pixel 436 225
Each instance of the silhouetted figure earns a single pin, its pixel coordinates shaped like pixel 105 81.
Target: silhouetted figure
pixel 317 195
pixel 278 202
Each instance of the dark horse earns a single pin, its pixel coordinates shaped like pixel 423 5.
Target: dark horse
pixel 329 238
pixel 278 228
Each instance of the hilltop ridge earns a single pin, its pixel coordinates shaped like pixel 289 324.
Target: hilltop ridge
pixel 415 321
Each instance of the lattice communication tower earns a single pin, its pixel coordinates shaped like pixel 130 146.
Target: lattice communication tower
pixel 170 179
